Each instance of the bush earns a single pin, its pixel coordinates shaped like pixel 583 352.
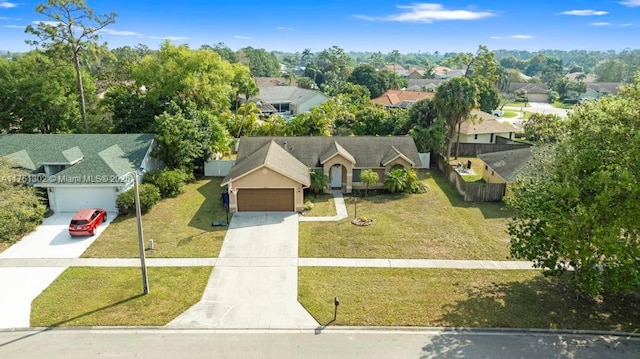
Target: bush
pixel 149 196
pixel 170 183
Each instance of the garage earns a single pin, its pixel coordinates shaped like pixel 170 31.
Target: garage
pixel 537 97
pixel 71 199
pixel 266 200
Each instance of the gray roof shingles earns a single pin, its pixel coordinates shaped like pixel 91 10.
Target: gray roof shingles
pixel 367 151
pixel 507 163
pixel 103 157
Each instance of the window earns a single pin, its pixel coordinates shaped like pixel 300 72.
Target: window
pixel 356 175
pixel 475 137
pixel 492 173
pixel 486 168
pixel 491 140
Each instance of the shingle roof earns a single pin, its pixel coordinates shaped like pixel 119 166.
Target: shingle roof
pixel 531 88
pixel 507 164
pixel 482 122
pixel 90 157
pixel 274 81
pixel 287 94
pixel 367 151
pixel 608 87
pixel 274 157
pixel 335 149
pixel 397 97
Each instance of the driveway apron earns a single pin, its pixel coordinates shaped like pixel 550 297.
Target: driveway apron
pixel 255 281
pixel 20 286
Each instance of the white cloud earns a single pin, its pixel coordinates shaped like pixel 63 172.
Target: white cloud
pixel 600 24
pixel 631 3
pixel 626 25
pixel 283 28
pixel 521 37
pixel 170 38
pixel 243 37
pixel 7 5
pixel 120 33
pixel 584 12
pixel 13 26
pixel 428 13
pixel 496 37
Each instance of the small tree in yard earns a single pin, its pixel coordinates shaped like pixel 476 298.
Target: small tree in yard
pixel 149 196
pixel 404 180
pixel 319 182
pixel 369 178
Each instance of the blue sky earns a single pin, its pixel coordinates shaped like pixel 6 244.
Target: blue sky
pixel 356 25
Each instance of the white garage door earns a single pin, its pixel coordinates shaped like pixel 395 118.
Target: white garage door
pixel 535 97
pixel 74 198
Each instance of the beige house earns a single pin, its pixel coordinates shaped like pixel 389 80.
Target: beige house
pixel 482 127
pixel 271 173
pixel 504 166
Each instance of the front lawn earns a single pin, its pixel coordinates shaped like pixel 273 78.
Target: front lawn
pixel 436 224
pixel 84 296
pixel 179 227
pixel 456 298
pixel 510 114
pixel 323 205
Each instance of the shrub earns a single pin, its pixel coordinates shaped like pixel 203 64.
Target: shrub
pixel 404 180
pixel 170 183
pixel 149 196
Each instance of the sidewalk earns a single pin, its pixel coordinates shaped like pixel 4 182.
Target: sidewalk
pixel 269 262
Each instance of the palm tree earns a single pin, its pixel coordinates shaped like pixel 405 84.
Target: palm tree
pixel 369 178
pixel 248 109
pixel 396 180
pixel 454 100
pixel 319 181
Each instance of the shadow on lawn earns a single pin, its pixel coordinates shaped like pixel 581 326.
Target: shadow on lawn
pixel 489 209
pixel 545 303
pixel 211 208
pixel 54 325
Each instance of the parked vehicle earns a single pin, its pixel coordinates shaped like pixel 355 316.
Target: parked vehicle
pixel 497 113
pixel 85 221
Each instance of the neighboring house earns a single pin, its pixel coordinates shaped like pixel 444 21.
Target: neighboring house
pixel 417 72
pixel 449 74
pixel 266 109
pixel 581 76
pixel 275 81
pixel 398 69
pixel 596 90
pixel 291 100
pixel 439 71
pixel 533 92
pixel 271 173
pixel 401 98
pixel 482 127
pixel 426 85
pixel 80 170
pixel 504 166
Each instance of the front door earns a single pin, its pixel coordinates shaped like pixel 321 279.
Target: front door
pixel 336 176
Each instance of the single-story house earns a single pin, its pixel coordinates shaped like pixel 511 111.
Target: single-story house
pixel 533 92
pixel 275 81
pixel 401 98
pixel 80 170
pixel 426 85
pixel 398 69
pixel 596 90
pixel 451 73
pixel 482 127
pixel 504 166
pixel 291 100
pixel 271 173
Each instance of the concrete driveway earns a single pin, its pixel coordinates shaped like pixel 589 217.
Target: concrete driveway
pixel 255 281
pixel 20 286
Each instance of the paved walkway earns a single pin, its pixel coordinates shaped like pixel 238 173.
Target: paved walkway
pixel 255 280
pixel 341 211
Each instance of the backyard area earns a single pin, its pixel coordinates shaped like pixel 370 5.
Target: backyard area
pixel 434 225
pixel 179 227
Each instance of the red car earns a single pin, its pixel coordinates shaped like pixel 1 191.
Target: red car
pixel 85 221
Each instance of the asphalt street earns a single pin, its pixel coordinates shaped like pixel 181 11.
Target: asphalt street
pixel 328 343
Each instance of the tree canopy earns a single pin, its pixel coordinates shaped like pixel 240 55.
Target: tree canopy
pixel 577 205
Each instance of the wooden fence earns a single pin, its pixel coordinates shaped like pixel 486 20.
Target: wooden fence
pixel 472 191
pixel 475 149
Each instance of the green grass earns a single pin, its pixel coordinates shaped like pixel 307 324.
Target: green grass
pixel 456 298
pixel 84 296
pixel 436 224
pixel 323 205
pixel 179 227
pixel 566 106
pixel 510 114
